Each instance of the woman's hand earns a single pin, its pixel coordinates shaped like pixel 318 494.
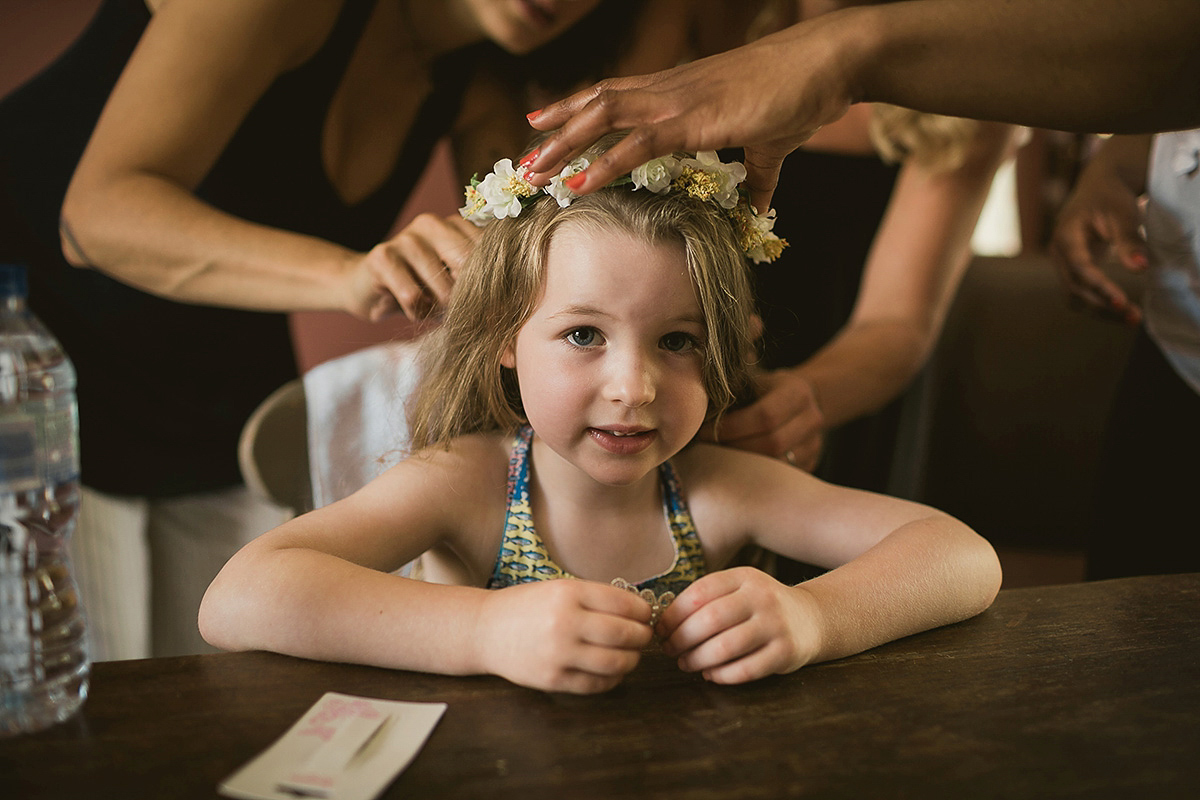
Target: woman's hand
pixel 1102 216
pixel 768 97
pixel 413 271
pixel 564 635
pixel 739 625
pixel 784 422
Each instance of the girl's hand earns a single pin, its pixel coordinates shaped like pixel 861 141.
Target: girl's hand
pixel 413 271
pixel 739 625
pixel 784 422
pixel 564 635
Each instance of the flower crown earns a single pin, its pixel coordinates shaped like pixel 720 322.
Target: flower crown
pixel 505 192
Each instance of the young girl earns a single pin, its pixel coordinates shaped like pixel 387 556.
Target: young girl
pixel 585 345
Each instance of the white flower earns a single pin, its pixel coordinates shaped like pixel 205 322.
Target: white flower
pixel 558 189
pixel 656 174
pixel 725 177
pixel 503 189
pixel 506 190
pixel 756 233
pixel 476 210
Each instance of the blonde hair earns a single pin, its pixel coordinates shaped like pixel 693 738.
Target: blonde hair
pixel 932 140
pixel 464 388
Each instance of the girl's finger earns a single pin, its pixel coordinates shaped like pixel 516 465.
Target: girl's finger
pixel 726 647
pixel 611 631
pixel 712 620
pixel 752 666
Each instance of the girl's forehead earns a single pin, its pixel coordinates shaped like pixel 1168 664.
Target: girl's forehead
pixel 610 267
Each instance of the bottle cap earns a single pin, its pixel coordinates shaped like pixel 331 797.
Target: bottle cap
pixel 13 282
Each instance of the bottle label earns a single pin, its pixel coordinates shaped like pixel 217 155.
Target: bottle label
pixel 60 451
pixel 18 453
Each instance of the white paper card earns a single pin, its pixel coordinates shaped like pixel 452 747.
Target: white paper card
pixel 343 748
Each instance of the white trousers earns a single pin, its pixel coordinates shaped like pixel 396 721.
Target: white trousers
pixel 143 564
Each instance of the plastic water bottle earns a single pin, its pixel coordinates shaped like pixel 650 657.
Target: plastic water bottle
pixel 44 661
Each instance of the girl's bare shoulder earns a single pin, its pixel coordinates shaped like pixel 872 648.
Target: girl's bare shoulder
pixel 719 469
pixel 472 459
pixel 454 489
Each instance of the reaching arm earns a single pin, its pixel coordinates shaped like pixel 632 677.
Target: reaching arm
pixel 130 210
pixel 1081 65
pixel 913 269
pixel 1086 65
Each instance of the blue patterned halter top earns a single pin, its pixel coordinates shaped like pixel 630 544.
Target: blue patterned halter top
pixel 523 556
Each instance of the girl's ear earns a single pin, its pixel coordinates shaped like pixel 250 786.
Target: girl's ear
pixel 508 356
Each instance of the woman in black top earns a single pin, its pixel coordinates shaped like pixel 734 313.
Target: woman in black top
pixel 251 158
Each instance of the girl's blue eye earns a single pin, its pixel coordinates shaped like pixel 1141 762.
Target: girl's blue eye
pixel 582 337
pixel 678 342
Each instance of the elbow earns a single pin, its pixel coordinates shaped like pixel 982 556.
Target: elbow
pixel 988 574
pixel 68 242
pixel 75 225
pixel 220 614
pixel 211 619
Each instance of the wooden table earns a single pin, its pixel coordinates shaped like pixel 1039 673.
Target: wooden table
pixel 1084 690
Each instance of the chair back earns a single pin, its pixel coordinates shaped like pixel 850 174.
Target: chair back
pixel 273 449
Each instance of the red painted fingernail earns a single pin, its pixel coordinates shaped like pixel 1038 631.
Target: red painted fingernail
pixel 575 181
pixel 532 115
pixel 529 159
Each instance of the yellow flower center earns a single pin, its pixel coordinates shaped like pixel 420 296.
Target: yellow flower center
pixel 475 200
pixel 519 187
pixel 696 183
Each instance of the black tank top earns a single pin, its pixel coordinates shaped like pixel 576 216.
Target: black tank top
pixel 165 387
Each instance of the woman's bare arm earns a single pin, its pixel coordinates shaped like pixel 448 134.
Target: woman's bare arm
pixel 1085 65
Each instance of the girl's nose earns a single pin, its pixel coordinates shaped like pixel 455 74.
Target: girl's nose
pixel 632 381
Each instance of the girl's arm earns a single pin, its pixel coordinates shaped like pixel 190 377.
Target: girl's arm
pixel 897 568
pixel 914 267
pixel 321 586
pixel 130 209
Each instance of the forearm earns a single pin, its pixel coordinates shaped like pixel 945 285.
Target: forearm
pixel 863 368
pixel 313 605
pixel 1125 158
pixel 152 234
pixel 1085 65
pixel 928 573
pixel 913 270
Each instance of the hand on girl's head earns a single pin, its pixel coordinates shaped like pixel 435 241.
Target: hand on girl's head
pixel 739 625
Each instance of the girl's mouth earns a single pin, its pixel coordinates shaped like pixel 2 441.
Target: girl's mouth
pixel 623 442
